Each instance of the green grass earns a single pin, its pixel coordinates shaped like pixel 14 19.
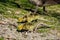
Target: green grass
pixel 1 38
pixel 25 4
pixel 43 30
pixel 8 9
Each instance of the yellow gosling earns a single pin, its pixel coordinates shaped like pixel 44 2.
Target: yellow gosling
pixel 20 27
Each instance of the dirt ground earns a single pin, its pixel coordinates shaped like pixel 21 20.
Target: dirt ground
pixel 9 32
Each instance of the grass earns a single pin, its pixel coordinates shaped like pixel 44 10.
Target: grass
pixel 1 38
pixel 11 10
pixel 43 30
pixel 25 4
pixel 54 11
